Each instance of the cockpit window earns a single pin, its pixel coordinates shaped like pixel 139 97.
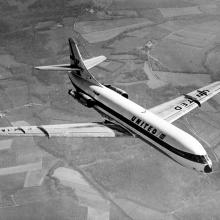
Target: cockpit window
pixel 201 159
pixel 197 158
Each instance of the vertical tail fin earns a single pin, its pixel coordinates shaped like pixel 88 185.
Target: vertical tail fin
pixel 76 61
pixel 77 65
pixel 75 56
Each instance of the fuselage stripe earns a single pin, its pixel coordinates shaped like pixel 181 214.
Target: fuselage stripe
pixel 186 155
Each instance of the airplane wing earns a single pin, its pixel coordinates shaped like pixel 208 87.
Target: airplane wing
pixel 176 108
pixel 80 130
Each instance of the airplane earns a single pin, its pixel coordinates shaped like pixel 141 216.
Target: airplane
pixel 124 118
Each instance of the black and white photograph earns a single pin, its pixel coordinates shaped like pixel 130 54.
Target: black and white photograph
pixel 109 109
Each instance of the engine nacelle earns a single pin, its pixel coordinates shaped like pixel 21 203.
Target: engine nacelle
pixel 118 90
pixel 82 98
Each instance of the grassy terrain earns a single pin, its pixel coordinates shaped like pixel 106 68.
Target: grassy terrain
pixel 35 33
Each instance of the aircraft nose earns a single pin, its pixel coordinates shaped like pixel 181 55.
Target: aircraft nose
pixel 208 169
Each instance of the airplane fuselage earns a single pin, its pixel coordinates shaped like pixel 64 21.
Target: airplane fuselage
pixel 174 142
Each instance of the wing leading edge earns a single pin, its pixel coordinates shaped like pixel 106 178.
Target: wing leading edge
pixel 80 130
pixel 176 108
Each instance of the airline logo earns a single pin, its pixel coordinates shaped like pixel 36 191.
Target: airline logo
pixel 149 128
pixel 190 99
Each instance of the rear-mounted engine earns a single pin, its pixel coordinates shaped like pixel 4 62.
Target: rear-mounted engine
pixel 82 98
pixel 118 90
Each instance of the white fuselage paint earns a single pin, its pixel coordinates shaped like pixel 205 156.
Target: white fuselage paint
pixel 149 126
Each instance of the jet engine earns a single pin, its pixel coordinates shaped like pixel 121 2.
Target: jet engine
pixel 118 90
pixel 82 98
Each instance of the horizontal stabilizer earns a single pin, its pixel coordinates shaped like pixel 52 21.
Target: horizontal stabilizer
pixel 77 65
pixel 60 67
pixel 90 63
